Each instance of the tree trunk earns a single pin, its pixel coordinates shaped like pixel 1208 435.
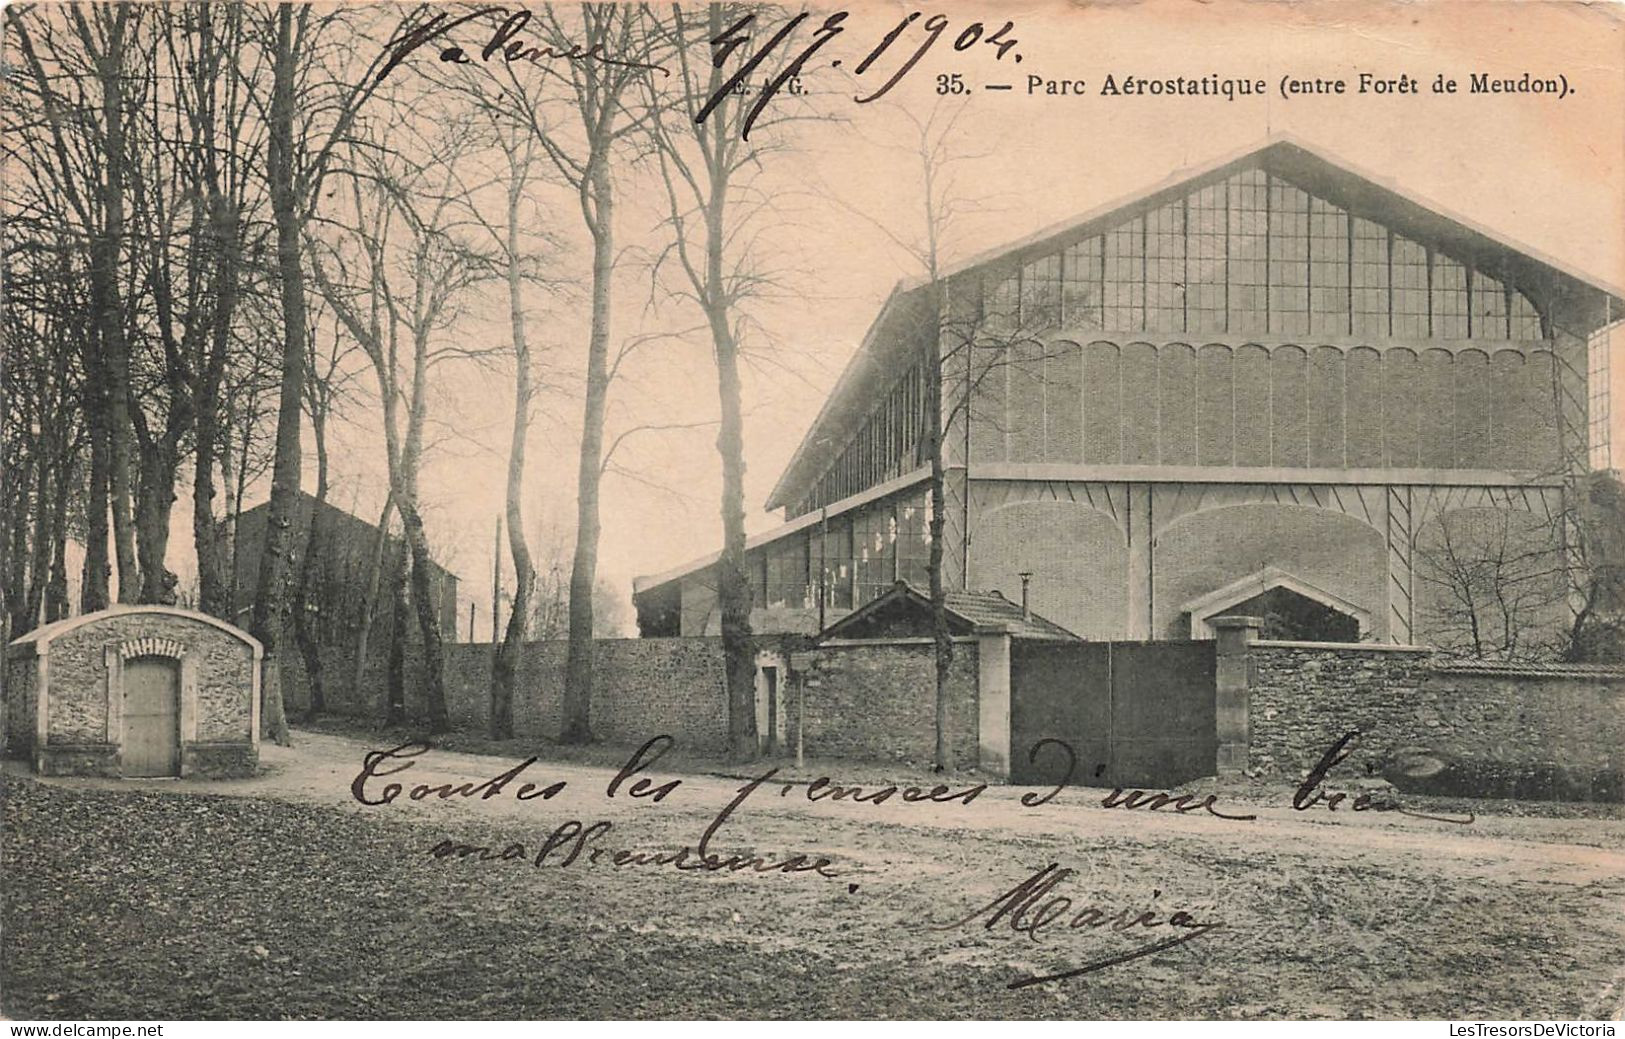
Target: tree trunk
pixel 39 563
pixel 314 557
pixel 369 607
pixel 56 590
pixel 104 267
pixel 17 541
pixel 509 655
pixel 395 693
pixel 93 588
pixel 426 598
pixel 271 602
pixel 155 498
pixel 941 637
pixel 584 569
pixel 214 592
pixel 733 584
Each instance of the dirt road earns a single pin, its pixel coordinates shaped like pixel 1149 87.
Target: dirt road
pixel 1298 913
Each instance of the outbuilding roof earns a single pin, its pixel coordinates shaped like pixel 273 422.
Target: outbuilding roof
pixel 35 642
pixel 904 610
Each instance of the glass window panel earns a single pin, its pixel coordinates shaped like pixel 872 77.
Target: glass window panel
pixel 1525 319
pixel 1041 293
pixel 1205 266
pixel 1328 268
pixel 1289 259
pixel 913 543
pixel 1081 289
pixel 1370 277
pixel 1449 298
pixel 1248 276
pixel 1410 276
pixel 1489 307
pixel 1125 277
pixel 1165 269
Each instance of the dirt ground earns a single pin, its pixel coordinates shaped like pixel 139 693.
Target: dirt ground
pixel 282 895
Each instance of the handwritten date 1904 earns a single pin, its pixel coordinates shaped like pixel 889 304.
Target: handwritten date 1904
pixel 737 35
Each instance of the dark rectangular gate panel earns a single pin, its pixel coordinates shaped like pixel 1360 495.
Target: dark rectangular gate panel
pixel 1136 714
pixel 1050 697
pixel 1163 726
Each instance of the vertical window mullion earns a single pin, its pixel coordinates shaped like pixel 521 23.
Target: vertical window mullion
pixel 1348 228
pixel 1390 283
pixel 1185 272
pixel 1145 272
pixel 1225 186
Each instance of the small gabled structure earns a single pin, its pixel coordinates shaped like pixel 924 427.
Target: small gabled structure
pixel 905 612
pixel 1234 597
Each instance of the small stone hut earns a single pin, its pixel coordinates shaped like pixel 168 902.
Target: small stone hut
pixel 135 691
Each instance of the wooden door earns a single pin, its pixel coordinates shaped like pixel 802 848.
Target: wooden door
pixel 152 743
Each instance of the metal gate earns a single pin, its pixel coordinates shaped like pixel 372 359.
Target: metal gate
pixel 1136 714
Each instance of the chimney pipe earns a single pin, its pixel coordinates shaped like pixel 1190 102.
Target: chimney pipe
pixel 1026 611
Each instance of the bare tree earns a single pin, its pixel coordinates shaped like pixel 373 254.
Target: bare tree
pixel 403 221
pixel 1596 632
pixel 1498 578
pixel 707 166
pixel 83 85
pixel 325 389
pixel 963 343
pixel 520 151
pixel 583 149
pixel 299 158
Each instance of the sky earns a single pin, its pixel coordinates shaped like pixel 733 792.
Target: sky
pixel 1539 170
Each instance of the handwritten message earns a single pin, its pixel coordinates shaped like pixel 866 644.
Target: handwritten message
pixel 1034 905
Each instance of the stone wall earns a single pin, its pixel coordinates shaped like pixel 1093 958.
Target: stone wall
pixel 1538 731
pixel 868 701
pixel 877 701
pixel 77 696
pixel 22 705
pixel 642 688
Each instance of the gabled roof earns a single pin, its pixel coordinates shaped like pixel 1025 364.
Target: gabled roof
pixel 1204 608
pixel 1549 281
pixel 904 610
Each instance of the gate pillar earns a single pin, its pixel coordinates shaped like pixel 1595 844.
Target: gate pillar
pixel 993 699
pixel 1232 676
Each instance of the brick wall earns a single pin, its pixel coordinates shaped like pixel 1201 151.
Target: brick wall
pixel 877 701
pixel 1430 726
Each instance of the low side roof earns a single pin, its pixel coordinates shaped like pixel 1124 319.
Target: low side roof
pixel 967 611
